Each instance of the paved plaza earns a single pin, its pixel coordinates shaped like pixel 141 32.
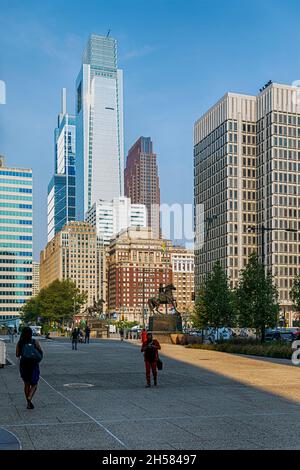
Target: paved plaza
pixel 94 398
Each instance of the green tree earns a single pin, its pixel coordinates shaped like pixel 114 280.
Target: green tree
pixel 214 303
pixel 257 297
pixel 31 311
pixel 58 302
pixel 295 293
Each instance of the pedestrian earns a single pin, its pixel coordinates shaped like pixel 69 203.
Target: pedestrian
pixel 87 334
pixel 74 338
pixel 30 353
pixel 121 331
pixel 11 334
pixel 144 335
pixel 150 349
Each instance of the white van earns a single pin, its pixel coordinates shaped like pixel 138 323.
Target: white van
pixel 36 330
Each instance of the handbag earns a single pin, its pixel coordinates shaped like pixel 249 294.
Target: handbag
pixel 159 364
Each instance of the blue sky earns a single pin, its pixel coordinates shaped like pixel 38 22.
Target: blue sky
pixel 178 58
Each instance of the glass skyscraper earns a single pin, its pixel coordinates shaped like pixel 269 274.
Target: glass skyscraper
pixel 99 126
pixel 15 241
pixel 61 189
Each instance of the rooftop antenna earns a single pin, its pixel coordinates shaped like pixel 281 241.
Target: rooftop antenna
pixel 108 33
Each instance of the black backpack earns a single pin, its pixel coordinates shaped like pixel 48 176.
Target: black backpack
pixel 29 351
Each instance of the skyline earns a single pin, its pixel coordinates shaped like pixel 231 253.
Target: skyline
pixel 41 53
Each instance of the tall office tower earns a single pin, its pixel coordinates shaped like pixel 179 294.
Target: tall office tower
pixel 61 189
pixel 278 166
pixel 111 217
pixel 15 241
pixel 225 184
pixel 247 151
pixel 35 278
pixel 76 253
pixel 99 126
pixel 142 181
pixel 182 261
pixel 137 265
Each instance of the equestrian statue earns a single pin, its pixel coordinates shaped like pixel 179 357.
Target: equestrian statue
pixel 165 297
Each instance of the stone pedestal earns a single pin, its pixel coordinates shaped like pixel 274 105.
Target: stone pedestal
pixel 162 326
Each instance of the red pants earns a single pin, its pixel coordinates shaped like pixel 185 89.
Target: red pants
pixel 151 365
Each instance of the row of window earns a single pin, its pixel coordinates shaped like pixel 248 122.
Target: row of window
pixel 14 197
pixel 15 205
pixel 16 229
pixel 16 253
pixel 19 278
pixel 15 237
pixel 15 190
pixel 17 293
pixel 16 173
pixel 16 245
pixel 18 182
pixel 15 221
pixel 16 214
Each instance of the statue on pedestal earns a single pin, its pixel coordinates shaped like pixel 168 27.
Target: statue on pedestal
pixel 165 297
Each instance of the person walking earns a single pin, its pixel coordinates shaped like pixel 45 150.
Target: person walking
pixel 74 338
pixel 30 353
pixel 121 331
pixel 150 349
pixel 87 334
pixel 11 334
pixel 144 335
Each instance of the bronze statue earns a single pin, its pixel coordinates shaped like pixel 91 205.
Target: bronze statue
pixel 96 309
pixel 165 297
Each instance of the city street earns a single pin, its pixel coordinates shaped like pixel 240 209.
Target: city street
pixel 95 398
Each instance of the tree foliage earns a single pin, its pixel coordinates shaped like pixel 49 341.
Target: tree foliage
pixel 58 302
pixel 256 297
pixel 295 293
pixel 214 303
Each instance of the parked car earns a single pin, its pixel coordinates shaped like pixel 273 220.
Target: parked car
pixel 278 335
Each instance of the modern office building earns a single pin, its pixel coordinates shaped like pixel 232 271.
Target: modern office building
pixel 138 264
pixel 246 162
pixel 61 189
pixel 15 241
pixel 99 126
pixel 76 253
pixel 35 278
pixel 111 217
pixel 182 261
pixel 142 180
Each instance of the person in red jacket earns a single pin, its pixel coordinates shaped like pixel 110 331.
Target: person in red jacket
pixel 144 335
pixel 150 349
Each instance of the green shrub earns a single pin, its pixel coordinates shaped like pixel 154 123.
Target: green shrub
pixel 278 350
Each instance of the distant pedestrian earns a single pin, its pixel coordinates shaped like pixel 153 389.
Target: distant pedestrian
pixel 121 331
pixel 150 349
pixel 87 334
pixel 74 338
pixel 11 334
pixel 30 353
pixel 144 335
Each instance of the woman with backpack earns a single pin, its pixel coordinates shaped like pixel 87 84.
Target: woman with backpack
pixel 150 349
pixel 30 353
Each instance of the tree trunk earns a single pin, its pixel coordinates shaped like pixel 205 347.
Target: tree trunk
pixel 263 333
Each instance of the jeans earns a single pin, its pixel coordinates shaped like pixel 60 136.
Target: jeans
pixel 74 344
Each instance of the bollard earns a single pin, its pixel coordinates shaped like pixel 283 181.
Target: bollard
pixel 2 353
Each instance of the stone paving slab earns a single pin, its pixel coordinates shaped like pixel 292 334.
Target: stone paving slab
pixel 204 400
pixel 8 441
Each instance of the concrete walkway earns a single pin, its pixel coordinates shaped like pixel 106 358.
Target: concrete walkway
pixel 94 398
